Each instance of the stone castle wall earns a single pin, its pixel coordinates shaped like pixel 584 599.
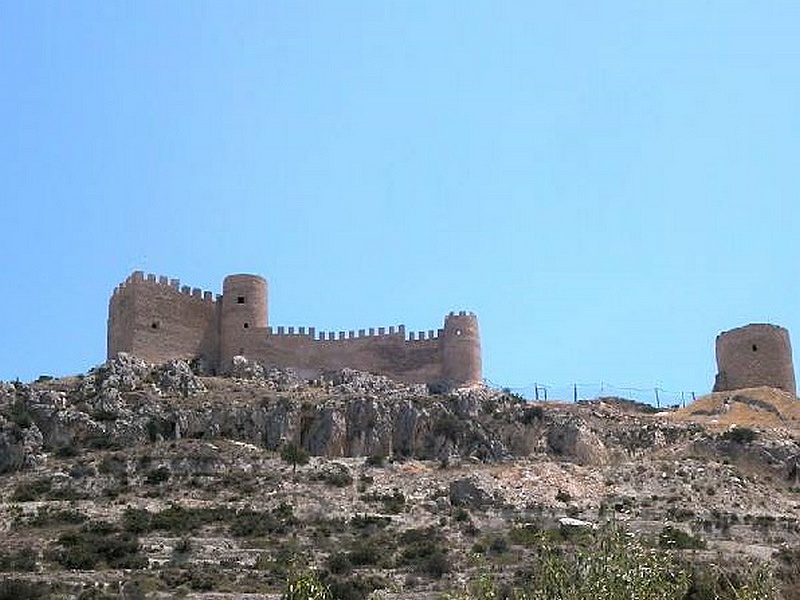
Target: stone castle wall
pixel 158 319
pixel 161 319
pixel 754 355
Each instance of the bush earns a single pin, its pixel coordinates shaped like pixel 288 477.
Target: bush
pixel 295 455
pixel 251 523
pixel 19 589
pixel 19 414
pixel 23 560
pixel 175 519
pixel 740 435
pixel 339 563
pixel 103 441
pixel 306 586
pixel 36 489
pixel 46 516
pixel 99 544
pixel 335 474
pixel 424 551
pixel 376 460
pixel 393 503
pixel 673 538
pixel 156 476
pixel 531 414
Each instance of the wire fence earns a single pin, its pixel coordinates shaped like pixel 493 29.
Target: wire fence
pixel 575 392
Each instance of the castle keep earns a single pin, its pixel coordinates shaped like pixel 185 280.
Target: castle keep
pixel 157 319
pixel 754 355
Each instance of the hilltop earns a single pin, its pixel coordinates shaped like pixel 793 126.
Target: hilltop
pixel 138 480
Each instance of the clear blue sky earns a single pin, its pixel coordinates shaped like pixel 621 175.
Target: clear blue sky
pixel 608 185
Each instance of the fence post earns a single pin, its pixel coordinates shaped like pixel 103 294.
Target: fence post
pixel 574 392
pixel 536 391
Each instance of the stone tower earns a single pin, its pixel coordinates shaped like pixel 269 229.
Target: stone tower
pixel 754 355
pixel 244 309
pixel 461 348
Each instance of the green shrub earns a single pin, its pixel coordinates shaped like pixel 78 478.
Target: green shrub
pixel 531 414
pixel 251 523
pixel 36 489
pixel 96 545
pixel 339 563
pixel 66 451
pixel 673 538
pixel 376 460
pixel 448 426
pixel 295 455
pixel 103 441
pixel 199 578
pixel 306 586
pixel 335 474
pixel 19 414
pixel 19 589
pixel 158 475
pixel 47 516
pixel 424 551
pixel 393 503
pixel 740 435
pixel 23 560
pixel 369 522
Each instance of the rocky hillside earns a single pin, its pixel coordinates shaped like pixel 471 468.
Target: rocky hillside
pixel 140 480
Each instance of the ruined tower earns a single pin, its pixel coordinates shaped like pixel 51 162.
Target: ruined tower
pixel 754 355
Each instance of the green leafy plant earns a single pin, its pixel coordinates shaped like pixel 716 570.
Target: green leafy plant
pixel 294 455
pixel 306 586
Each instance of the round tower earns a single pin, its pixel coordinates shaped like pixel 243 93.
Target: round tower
pixel 754 355
pixel 243 309
pixel 461 349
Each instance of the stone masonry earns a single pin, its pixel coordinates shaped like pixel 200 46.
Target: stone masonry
pixel 754 355
pixel 157 319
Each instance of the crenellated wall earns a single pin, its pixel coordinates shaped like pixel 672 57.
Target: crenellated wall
pixel 157 319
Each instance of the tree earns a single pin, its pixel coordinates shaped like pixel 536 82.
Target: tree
pixel 294 455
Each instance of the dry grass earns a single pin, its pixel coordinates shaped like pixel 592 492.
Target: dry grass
pixel 760 407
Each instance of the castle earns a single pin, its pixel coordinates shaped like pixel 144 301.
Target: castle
pixel 157 319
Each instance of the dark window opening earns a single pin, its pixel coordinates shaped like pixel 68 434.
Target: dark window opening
pixel 240 300
pixel 246 325
pixel 755 348
pixel 154 325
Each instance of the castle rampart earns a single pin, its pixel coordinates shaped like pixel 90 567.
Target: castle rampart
pixel 157 319
pixel 754 355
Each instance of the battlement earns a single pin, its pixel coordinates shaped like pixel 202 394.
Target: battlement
pixel 139 278
pixel 165 319
pixel 395 332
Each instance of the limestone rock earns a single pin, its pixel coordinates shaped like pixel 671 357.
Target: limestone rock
pixel 241 368
pixel 465 492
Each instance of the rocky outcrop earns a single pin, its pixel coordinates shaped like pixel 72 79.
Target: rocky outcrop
pixel 341 413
